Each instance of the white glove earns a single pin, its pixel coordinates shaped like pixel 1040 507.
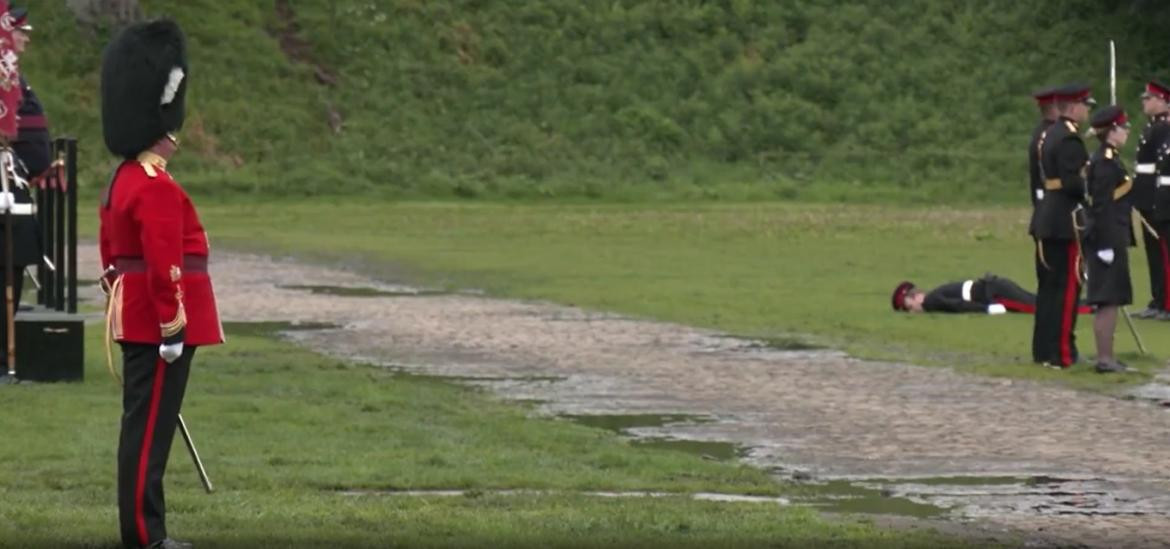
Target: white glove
pixel 1106 256
pixel 170 352
pixel 996 309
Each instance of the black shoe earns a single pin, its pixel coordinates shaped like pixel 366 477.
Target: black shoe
pixel 1148 312
pixel 1114 367
pixel 169 543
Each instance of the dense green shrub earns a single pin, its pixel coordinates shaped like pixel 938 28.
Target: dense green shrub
pixel 923 100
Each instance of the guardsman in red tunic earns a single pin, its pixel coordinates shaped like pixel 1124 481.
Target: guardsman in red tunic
pixel 154 251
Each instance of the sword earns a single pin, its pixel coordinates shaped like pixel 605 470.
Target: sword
pixel 199 463
pixel 1133 330
pixel 1112 73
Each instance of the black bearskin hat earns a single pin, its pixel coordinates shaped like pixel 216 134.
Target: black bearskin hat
pixel 144 85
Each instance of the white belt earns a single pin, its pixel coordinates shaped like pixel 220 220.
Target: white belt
pixel 1146 168
pixel 18 208
pixel 1164 181
pixel 1039 194
pixel 967 290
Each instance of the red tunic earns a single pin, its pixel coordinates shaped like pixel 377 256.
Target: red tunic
pixel 151 234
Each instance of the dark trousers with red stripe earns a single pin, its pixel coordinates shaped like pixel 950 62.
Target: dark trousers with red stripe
pixel 1009 294
pixel 1053 337
pixel 1156 261
pixel 151 398
pixel 1159 265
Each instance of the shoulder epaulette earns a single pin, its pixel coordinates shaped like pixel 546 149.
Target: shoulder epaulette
pixel 151 163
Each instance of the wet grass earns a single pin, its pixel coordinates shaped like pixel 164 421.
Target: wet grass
pixel 351 291
pixel 839 496
pixel 765 271
pixel 282 431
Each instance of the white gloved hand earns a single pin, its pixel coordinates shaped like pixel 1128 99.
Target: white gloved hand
pixel 1106 256
pixel 996 309
pixel 170 352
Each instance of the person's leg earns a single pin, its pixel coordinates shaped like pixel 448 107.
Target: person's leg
pixel 1153 252
pixel 153 396
pixel 1104 325
pixel 1046 335
pixel 1009 294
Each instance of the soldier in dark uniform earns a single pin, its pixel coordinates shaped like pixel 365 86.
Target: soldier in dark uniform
pixel 1063 160
pixel 1161 213
pixel 1153 149
pixel 32 152
pixel 1046 102
pixel 1110 233
pixel 989 294
pixel 32 143
pixel 162 305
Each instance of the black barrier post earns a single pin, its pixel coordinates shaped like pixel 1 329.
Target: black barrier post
pixel 59 257
pixel 48 210
pixel 42 222
pixel 71 196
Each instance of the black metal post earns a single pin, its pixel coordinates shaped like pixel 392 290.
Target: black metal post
pixel 71 196
pixel 59 253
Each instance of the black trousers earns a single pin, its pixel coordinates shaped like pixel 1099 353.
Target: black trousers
pixel 1009 294
pixel 1159 249
pixel 1053 332
pixel 151 397
pixel 1156 261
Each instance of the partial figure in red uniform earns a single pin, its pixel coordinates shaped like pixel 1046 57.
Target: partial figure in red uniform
pixel 154 251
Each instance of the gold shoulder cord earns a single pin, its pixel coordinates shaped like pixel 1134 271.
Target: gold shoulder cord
pixel 115 290
pixel 152 162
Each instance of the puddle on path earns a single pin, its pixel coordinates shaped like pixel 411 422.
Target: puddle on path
pixel 847 497
pixel 362 291
pixel 976 496
pixel 268 328
pixel 961 497
pixel 699 496
pixel 627 424
pixel 1156 391
pixel 717 451
pixel 485 380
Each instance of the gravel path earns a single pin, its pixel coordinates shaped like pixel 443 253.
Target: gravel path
pixel 821 414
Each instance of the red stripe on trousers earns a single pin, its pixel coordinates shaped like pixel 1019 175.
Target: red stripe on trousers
pixel 144 455
pixel 1066 313
pixel 1015 306
pixel 1165 274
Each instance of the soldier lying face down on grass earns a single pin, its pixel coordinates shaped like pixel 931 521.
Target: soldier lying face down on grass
pixel 990 294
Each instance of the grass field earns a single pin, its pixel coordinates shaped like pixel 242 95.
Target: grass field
pixel 819 273
pixel 284 431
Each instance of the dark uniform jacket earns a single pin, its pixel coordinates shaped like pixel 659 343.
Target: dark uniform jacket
pixel 1151 150
pixel 969 296
pixel 1110 190
pixel 1035 175
pixel 1159 182
pixel 32 143
pixel 1063 159
pixel 32 149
